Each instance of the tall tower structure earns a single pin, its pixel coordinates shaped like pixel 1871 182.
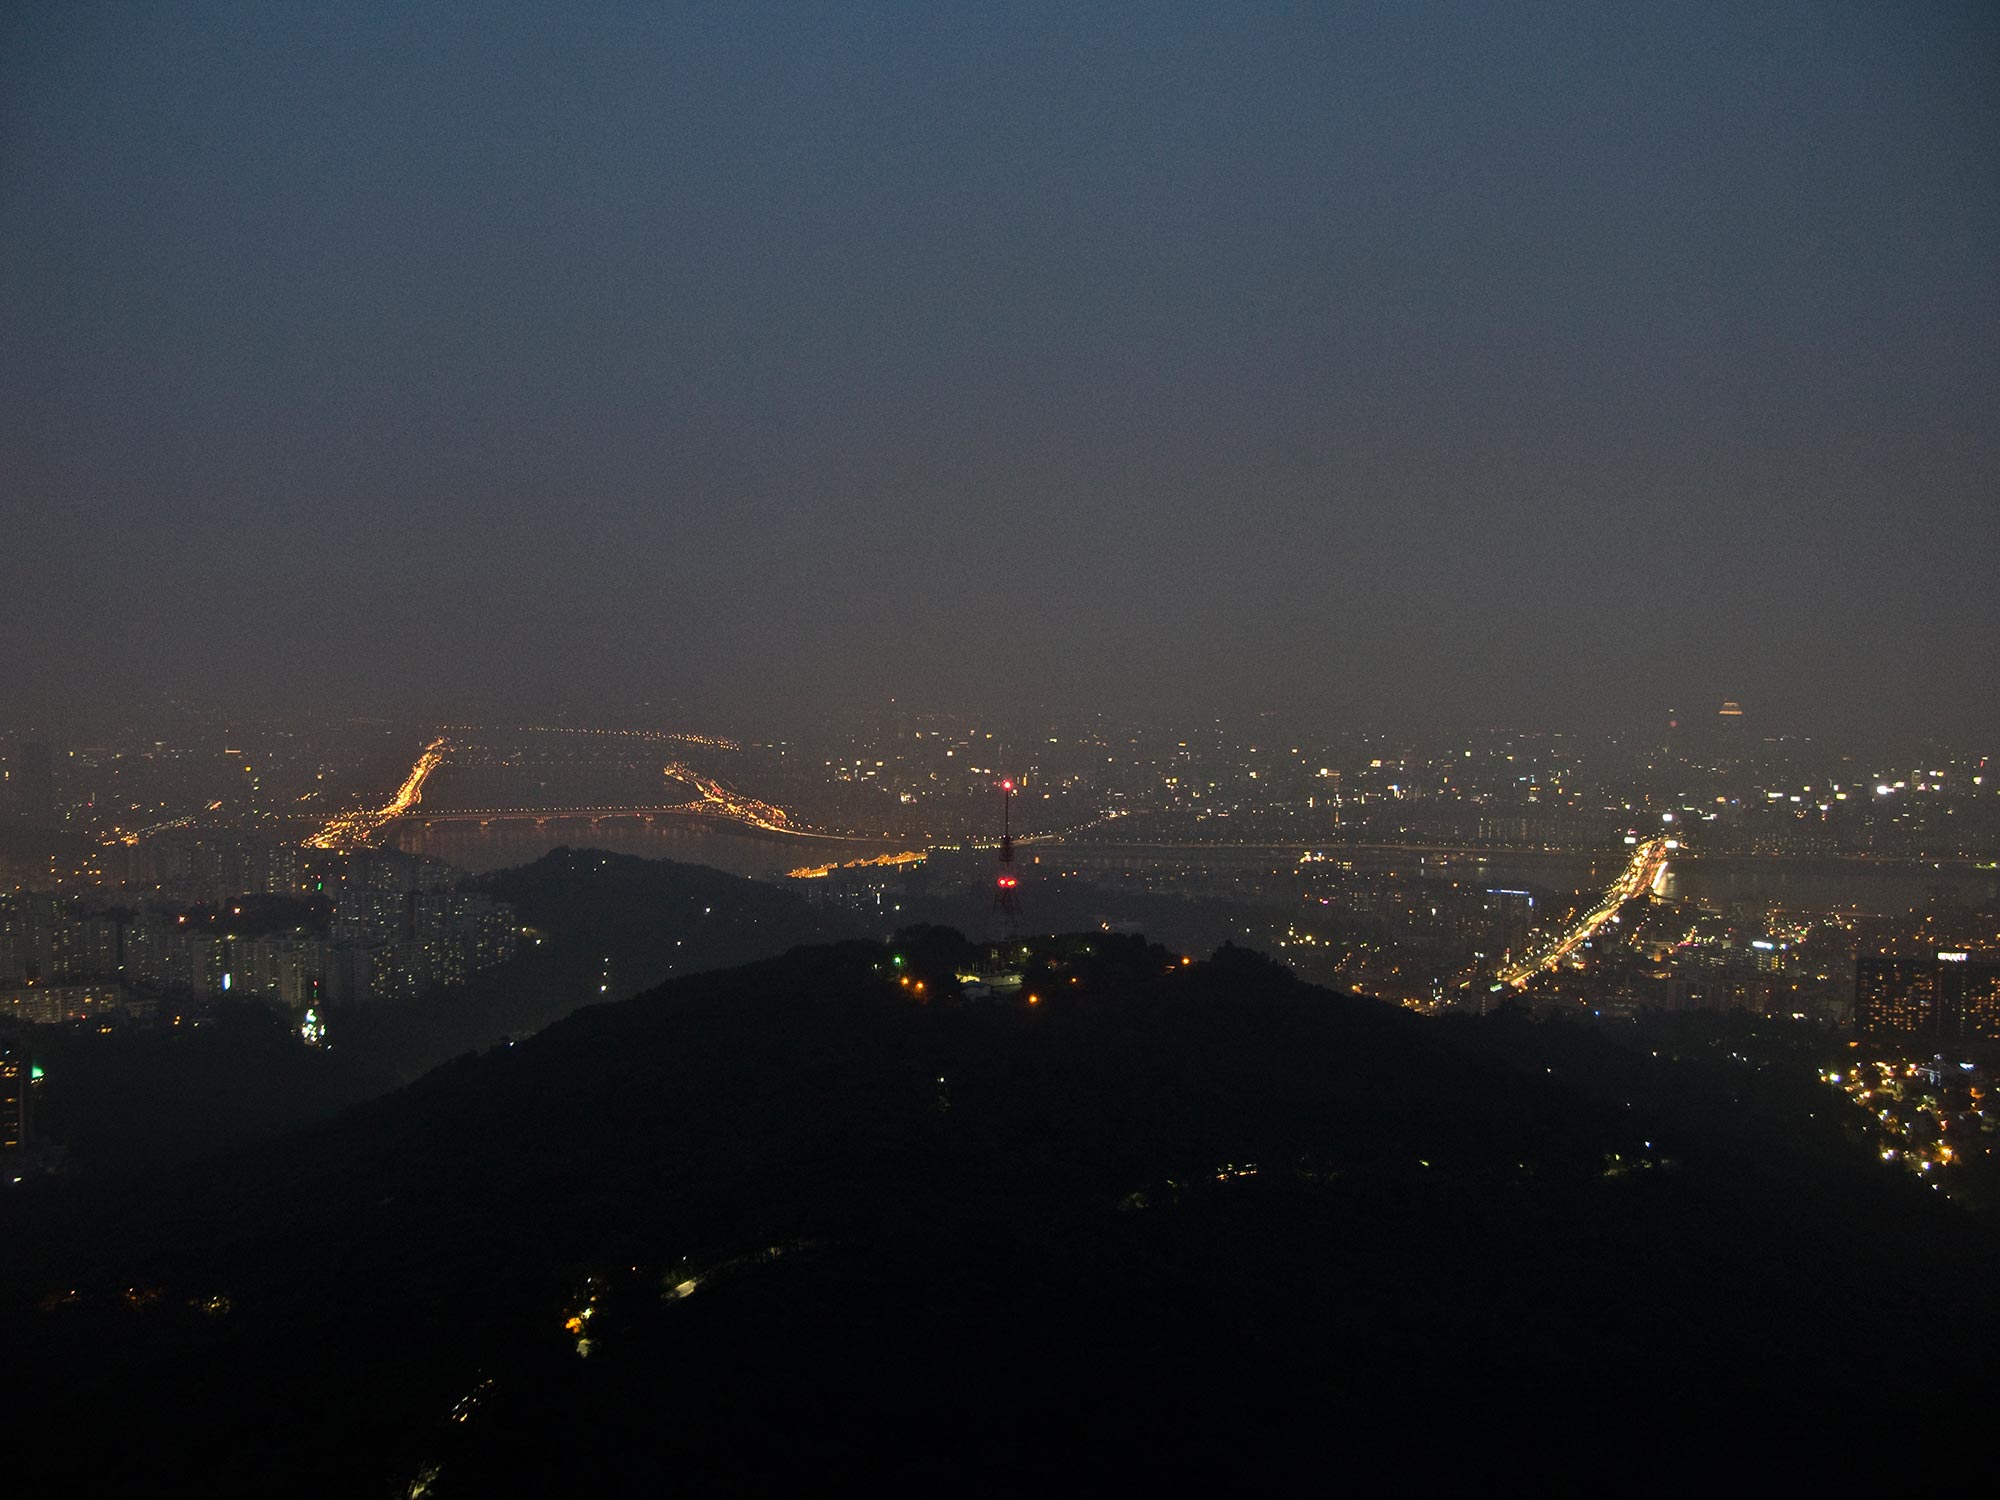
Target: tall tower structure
pixel 1006 883
pixel 1731 737
pixel 16 1078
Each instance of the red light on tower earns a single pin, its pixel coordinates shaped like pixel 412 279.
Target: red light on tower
pixel 1004 900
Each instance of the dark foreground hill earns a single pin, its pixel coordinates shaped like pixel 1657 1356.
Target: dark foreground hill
pixel 600 925
pixel 801 1223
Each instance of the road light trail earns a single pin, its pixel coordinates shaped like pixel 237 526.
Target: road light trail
pixel 718 800
pixel 820 872
pixel 351 830
pixel 1642 871
pixel 117 837
pixel 358 827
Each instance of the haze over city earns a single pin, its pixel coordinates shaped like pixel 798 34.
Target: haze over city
pixel 997 748
pixel 1430 363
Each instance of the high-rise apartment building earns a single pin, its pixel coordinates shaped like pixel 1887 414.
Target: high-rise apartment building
pixel 1941 1000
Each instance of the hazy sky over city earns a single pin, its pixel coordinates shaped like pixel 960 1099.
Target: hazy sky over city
pixel 1522 363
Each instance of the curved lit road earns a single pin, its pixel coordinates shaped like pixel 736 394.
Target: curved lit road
pixel 1641 872
pixel 360 827
pixel 352 830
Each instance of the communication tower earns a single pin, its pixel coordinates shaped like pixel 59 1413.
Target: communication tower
pixel 1006 884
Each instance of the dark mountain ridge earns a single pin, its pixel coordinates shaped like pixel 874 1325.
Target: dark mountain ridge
pixel 798 1220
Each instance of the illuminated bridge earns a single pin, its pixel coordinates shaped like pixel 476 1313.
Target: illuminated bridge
pixel 361 827
pixel 650 813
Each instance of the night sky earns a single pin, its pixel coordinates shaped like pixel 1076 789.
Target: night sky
pixel 1524 364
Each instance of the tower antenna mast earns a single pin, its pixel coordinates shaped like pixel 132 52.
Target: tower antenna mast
pixel 1006 884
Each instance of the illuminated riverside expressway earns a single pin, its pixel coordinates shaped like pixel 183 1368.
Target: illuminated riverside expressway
pixel 352 830
pixel 358 828
pixel 1641 873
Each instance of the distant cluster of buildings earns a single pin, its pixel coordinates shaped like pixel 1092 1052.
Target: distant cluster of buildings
pixel 188 867
pixel 389 927
pixel 1745 791
pixel 390 945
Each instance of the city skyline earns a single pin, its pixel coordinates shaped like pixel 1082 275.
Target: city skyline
pixel 996 745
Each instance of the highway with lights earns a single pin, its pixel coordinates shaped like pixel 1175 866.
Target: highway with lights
pixel 358 828
pixel 1641 873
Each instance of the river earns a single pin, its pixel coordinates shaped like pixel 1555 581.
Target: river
pixel 1811 882
pixel 719 843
